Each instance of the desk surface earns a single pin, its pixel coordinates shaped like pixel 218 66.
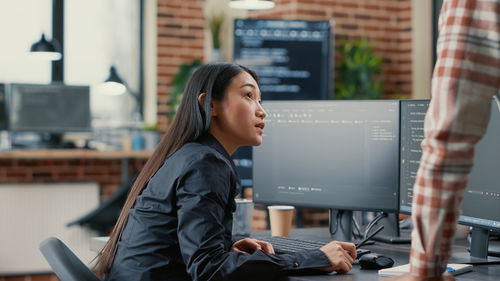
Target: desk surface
pixel 74 154
pixel 400 254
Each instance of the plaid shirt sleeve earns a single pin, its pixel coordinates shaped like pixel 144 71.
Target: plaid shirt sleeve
pixel 466 77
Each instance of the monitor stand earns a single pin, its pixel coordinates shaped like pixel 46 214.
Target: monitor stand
pixel 479 249
pixel 480 244
pixel 340 225
pixel 391 233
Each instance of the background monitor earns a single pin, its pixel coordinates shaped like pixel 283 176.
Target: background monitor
pixel 329 154
pixel 242 159
pixel 481 204
pixel 53 108
pixel 291 57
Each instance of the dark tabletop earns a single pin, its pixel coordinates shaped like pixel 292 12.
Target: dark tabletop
pixel 398 252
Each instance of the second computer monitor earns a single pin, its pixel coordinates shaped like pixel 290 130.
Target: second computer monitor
pixel 329 154
pixel 480 207
pixel 481 203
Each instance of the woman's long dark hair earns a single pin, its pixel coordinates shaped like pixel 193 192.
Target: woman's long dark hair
pixel 191 121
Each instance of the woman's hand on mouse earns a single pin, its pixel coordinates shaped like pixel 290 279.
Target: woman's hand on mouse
pixel 409 277
pixel 340 254
pixel 249 245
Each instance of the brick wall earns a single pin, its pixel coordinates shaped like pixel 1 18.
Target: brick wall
pixel 386 23
pixel 181 25
pixel 43 277
pixel 104 172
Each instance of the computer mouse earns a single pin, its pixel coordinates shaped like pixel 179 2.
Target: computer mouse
pixel 361 252
pixel 375 261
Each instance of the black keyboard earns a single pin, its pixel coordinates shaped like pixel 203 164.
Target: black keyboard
pixel 286 245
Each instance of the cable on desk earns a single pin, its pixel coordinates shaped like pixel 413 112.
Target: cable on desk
pixel 373 222
pixel 356 226
pixel 332 232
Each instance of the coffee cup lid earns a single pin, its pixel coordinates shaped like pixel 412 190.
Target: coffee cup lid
pixel 242 200
pixel 280 207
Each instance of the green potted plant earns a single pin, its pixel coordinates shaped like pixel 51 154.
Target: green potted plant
pixel 178 84
pixel 357 70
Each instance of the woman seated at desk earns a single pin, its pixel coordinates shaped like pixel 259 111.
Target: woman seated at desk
pixel 177 220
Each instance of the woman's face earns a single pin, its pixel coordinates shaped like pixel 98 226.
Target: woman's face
pixel 237 120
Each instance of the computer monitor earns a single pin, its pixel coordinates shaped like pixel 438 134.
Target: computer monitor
pixel 291 57
pixel 52 108
pixel 341 155
pixel 481 204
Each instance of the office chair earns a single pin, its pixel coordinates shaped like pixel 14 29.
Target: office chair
pixel 104 217
pixel 66 265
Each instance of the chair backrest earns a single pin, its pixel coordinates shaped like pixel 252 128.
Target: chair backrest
pixel 66 265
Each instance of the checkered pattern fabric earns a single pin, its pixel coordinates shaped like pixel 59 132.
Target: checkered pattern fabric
pixel 466 77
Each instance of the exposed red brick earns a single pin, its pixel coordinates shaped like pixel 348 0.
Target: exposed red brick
pixel 171 5
pixel 168 15
pixel 349 26
pixel 44 277
pixel 348 5
pixel 392 9
pixel 371 7
pixel 362 16
pixel 404 19
pixel 16 174
pixel 404 61
pixel 14 278
pixel 392 29
pixel 381 18
pixel 398 72
pixel 371 28
pixel 311 12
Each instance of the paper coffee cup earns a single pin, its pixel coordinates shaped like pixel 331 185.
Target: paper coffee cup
pixel 281 220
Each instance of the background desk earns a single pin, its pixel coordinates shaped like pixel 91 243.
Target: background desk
pixel 400 254
pixel 80 154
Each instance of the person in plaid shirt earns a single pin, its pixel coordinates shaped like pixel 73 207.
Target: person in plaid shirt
pixel 466 77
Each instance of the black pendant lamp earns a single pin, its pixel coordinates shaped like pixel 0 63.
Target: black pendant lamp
pixel 113 85
pixel 46 50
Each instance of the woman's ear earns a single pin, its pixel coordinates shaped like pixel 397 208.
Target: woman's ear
pixel 201 101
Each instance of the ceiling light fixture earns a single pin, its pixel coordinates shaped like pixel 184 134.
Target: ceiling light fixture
pixel 251 4
pixel 46 50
